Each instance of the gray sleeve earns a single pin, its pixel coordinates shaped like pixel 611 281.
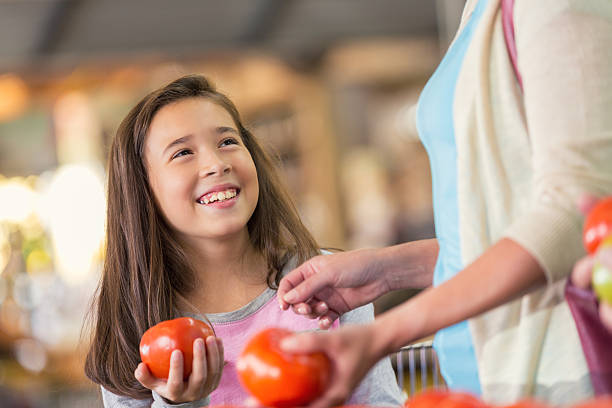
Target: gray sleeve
pixel 379 387
pixel 111 400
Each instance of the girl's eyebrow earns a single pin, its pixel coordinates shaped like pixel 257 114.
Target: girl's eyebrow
pixel 178 141
pixel 223 129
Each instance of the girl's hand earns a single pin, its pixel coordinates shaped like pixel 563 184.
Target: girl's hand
pixel 353 352
pixel 204 378
pixel 327 286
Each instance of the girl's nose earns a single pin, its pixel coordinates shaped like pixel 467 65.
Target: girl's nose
pixel 215 165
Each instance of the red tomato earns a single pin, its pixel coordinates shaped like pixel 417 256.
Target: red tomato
pixel 158 343
pixel 461 400
pixel 279 379
pixel 427 399
pixel 598 225
pixel 601 402
pixel 527 403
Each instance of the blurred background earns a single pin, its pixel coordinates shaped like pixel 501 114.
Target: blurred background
pixel 327 85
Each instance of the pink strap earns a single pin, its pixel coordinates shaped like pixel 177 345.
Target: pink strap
pixel 507 7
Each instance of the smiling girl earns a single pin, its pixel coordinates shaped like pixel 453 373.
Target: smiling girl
pixel 199 225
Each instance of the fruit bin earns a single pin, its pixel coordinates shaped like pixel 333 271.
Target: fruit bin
pixel 416 368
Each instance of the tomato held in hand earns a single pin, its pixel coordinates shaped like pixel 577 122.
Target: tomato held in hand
pixel 280 379
pixel 158 343
pixel 598 225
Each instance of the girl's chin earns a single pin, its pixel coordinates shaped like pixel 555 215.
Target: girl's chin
pixel 230 234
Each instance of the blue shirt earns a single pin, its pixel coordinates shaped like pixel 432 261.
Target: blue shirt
pixel 453 345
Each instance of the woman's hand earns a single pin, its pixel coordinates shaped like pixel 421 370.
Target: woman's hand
pixel 582 274
pixel 204 378
pixel 583 269
pixel 353 351
pixel 327 286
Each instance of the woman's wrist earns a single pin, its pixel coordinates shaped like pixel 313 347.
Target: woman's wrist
pixel 388 336
pixel 408 265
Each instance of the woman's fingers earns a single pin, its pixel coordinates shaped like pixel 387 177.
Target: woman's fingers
pixel 350 350
pixel 303 283
pixel 605 313
pixel 586 202
pixel 302 308
pixel 583 270
pixel 320 308
pixel 326 321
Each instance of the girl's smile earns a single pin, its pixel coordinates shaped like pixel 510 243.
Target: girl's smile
pixel 219 194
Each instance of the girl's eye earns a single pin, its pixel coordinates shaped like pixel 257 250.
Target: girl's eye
pixel 180 153
pixel 229 141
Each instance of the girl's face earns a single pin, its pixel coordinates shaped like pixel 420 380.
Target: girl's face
pixel 201 173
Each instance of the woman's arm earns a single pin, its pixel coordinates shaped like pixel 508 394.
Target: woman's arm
pixel 327 286
pixel 502 273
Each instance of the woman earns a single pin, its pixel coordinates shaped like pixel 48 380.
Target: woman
pixel 508 166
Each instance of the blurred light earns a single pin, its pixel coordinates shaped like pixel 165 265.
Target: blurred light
pixel 26 292
pixel 38 261
pixel 13 320
pixel 2 289
pixel 17 201
pixel 405 122
pixel 31 355
pixel 74 208
pixel 14 97
pixel 48 325
pixel 77 129
pixel 5 248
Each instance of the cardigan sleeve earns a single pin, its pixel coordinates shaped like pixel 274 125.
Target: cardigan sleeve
pixel 565 58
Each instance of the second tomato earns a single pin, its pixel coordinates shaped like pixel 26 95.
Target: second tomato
pixel 279 379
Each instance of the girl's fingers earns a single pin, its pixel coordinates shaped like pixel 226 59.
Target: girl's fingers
pixel 214 354
pixel 174 386
pixel 198 367
pixel 144 376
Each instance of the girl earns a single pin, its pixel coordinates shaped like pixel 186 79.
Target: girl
pixel 198 225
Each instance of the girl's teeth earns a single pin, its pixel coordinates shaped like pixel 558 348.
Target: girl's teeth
pixel 219 196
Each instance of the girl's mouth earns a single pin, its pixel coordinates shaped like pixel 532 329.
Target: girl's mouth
pixel 218 196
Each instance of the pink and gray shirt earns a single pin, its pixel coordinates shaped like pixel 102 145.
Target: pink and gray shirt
pixel 379 387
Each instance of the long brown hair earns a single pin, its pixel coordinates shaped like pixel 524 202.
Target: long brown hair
pixel 146 272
